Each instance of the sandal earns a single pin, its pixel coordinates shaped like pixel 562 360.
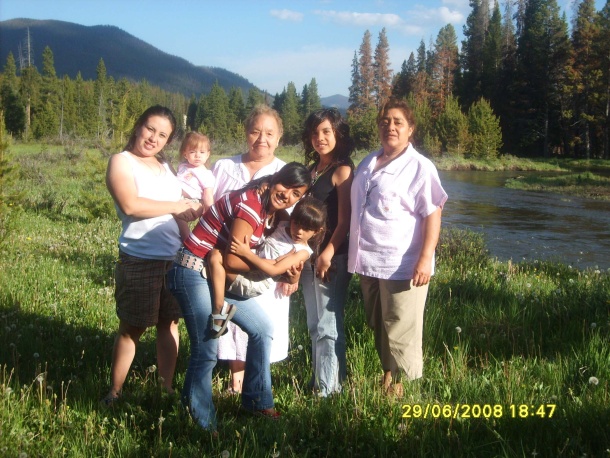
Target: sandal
pixel 270 413
pixel 109 400
pixel 219 330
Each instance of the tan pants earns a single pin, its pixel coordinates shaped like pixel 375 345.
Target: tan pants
pixel 395 311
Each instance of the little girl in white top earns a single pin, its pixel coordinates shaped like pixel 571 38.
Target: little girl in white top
pixel 196 180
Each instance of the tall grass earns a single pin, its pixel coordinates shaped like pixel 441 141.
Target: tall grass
pixel 496 334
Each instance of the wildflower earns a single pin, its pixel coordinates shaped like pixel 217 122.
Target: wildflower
pixel 458 329
pixel 152 368
pixel 8 391
pixel 275 454
pixel 571 280
pixel 593 381
pixel 79 339
pixel 300 347
pixel 23 454
pixel 40 378
pixel 593 325
pixel 36 356
pixel 529 285
pixel 225 454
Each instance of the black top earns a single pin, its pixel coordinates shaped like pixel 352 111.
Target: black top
pixel 324 190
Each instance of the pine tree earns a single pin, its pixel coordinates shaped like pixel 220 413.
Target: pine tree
pixel 474 31
pixel 46 123
pixel 492 57
pixel 310 100
pixel 585 73
pixel 216 114
pixel 100 93
pixel 255 97
pixel 367 72
pixel 602 51
pixel 354 90
pixel 237 114
pixel 445 65
pixel 485 132
pixel 452 128
pixel 543 50
pixel 12 107
pixel 289 111
pixel 382 73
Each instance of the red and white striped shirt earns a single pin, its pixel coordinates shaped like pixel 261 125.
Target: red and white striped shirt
pixel 213 230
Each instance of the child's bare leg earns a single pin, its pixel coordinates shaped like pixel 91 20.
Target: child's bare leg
pixel 217 274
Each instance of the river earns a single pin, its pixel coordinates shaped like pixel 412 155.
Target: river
pixel 528 225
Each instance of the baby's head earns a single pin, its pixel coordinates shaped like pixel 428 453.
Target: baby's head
pixel 195 148
pixel 308 221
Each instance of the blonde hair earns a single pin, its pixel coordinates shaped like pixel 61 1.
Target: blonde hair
pixel 192 141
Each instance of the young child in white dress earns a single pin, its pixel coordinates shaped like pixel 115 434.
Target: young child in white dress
pixel 288 245
pixel 196 179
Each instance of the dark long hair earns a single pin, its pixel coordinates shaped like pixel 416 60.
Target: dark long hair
pixel 345 144
pixel 292 175
pixel 310 214
pixel 155 110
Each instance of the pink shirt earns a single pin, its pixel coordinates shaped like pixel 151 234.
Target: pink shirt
pixel 388 209
pixel 194 179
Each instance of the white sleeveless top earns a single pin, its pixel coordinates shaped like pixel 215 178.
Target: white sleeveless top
pixel 151 238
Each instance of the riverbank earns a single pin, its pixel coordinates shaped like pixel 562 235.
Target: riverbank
pixel 573 177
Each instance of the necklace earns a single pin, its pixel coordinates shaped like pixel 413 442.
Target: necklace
pixel 269 221
pixel 317 175
pixel 157 171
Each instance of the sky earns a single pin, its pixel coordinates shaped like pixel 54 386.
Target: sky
pixel 268 42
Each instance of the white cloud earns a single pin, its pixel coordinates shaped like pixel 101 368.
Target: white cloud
pixel 442 15
pixel 361 19
pixel 287 15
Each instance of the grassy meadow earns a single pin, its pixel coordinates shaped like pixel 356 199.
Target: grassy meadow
pixel 517 355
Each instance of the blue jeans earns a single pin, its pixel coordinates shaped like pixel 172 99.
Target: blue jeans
pixel 325 306
pixel 193 294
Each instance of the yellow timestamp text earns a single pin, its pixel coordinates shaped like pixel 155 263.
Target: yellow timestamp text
pixel 465 411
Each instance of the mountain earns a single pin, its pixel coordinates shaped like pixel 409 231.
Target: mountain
pixel 337 101
pixel 79 48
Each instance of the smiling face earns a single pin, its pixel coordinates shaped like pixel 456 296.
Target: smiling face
pixel 323 138
pixel 394 131
pixel 152 136
pixel 281 197
pixel 263 137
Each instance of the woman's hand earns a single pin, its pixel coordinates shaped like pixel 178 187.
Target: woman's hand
pixel 422 272
pixel 323 264
pixel 188 210
pixel 239 248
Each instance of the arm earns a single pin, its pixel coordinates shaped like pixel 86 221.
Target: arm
pixel 342 179
pixel 272 269
pixel 207 198
pixel 122 187
pixel 431 230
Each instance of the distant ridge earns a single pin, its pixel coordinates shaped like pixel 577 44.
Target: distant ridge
pixel 79 48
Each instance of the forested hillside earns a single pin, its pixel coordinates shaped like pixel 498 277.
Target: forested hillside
pixel 78 49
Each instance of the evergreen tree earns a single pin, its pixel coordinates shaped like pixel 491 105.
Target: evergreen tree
pixel 355 94
pixel 474 31
pixel 492 57
pixel 367 72
pixel 602 51
pixel 585 74
pixel 12 107
pixel 191 112
pixel 217 114
pixel 421 80
pixel 255 97
pixel 29 88
pixel 382 73
pixel 100 93
pixel 310 100
pixel 445 66
pixel 543 50
pixel 46 123
pixel 289 111
pixel 485 132
pixel 452 128
pixel 237 113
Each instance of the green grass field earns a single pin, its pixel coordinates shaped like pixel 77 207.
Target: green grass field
pixel 517 356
